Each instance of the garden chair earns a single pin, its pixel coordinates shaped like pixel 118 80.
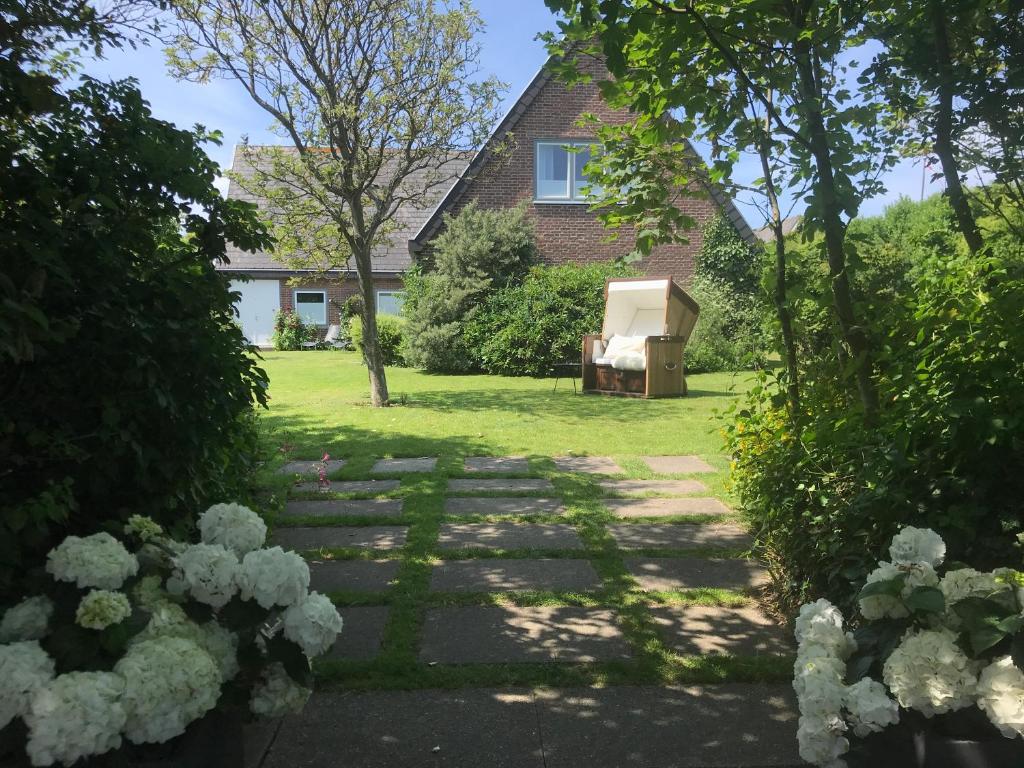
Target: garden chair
pixel 331 339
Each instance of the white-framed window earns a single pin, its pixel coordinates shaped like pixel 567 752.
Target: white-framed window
pixel 558 171
pixel 390 302
pixel 310 305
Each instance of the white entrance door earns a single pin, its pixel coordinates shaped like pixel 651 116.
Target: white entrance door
pixel 260 299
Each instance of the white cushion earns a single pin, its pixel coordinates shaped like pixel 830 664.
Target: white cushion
pixel 624 345
pixel 630 362
pixel 604 360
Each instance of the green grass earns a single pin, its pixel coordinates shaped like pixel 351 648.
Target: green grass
pixel 319 404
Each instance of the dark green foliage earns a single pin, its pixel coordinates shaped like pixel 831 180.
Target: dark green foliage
pixel 125 383
pixel 726 257
pixel 290 331
pixel 390 333
pixel 524 329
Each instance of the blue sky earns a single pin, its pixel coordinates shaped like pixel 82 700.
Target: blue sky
pixel 509 50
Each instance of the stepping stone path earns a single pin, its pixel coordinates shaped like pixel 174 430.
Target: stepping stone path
pixel 665 507
pixel 507 536
pixel 341 537
pixel 352 575
pixel 475 485
pixel 403 466
pixel 513 465
pixel 362 634
pixel 502 506
pixel 600 465
pixel 310 467
pixel 497 634
pixel 348 486
pixel 679 536
pixel 665 574
pixel 665 487
pixel 344 508
pixel 699 629
pixel 683 465
pixel 491 575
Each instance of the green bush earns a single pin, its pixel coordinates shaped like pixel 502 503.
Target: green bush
pixel 729 333
pixel 726 257
pixel 523 330
pixel 290 331
pixel 390 330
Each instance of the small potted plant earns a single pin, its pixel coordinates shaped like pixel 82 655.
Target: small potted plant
pixel 133 642
pixel 932 677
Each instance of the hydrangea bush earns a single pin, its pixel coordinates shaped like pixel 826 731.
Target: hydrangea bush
pixel 932 643
pixel 132 639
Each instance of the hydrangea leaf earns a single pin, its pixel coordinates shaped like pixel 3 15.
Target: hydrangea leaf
pixel 925 600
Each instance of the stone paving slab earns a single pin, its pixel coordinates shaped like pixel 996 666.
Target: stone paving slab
pixel 691 505
pixel 349 486
pixel 497 634
pixel 470 728
pixel 344 508
pixel 515 465
pixel 698 629
pixel 310 467
pixel 685 465
pixel 667 487
pixel 337 536
pixel 502 506
pixel 663 574
pixel 473 484
pixel 642 536
pixel 708 726
pixel 352 575
pixel 402 466
pixel 601 465
pixel 494 575
pixel 362 633
pixel 507 536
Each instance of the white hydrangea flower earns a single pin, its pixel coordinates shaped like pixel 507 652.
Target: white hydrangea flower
pixel 273 577
pixel 101 608
pixel 146 528
pixel 24 669
pixel 276 694
pixel 819 686
pixel 208 572
pixel 169 620
pixel 149 592
pixel 929 673
pixel 821 740
pixel 965 582
pixel 313 624
pixel 821 623
pixel 233 526
pixel 169 682
pixel 917 545
pixel 1001 696
pixel 28 620
pixel 77 715
pixel 222 645
pixel 99 561
pixel 870 707
pixel 915 575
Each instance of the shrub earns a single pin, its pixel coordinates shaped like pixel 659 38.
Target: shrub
pixel 523 330
pixel 726 257
pixel 390 330
pixel 729 332
pixel 290 331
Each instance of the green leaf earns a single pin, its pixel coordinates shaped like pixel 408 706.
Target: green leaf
pixel 977 612
pixel 1017 651
pixel 984 638
pixel 925 600
pixel 290 655
pixel 890 587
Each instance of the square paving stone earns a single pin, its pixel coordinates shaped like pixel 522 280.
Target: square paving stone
pixel 507 536
pixel 698 629
pixel 666 487
pixel 666 507
pixel 493 575
pixel 708 726
pixel 338 536
pixel 344 508
pixel 310 467
pixel 502 506
pixel 641 536
pixel 402 466
pixel 352 575
pixel 601 465
pixel 472 485
pixel 497 634
pixel 515 465
pixel 664 574
pixel 683 465
pixel 349 486
pixel 362 633
pixel 470 727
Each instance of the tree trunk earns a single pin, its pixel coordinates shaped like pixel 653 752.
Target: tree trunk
pixel 372 356
pixel 944 133
pixel 832 223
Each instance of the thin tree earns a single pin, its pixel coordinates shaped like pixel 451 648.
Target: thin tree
pixel 375 98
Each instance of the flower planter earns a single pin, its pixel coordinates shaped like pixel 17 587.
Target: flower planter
pixel 946 752
pixel 895 747
pixel 213 741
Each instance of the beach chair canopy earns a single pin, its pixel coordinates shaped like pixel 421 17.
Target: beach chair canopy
pixel 653 306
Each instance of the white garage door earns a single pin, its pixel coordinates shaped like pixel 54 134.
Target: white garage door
pixel 260 300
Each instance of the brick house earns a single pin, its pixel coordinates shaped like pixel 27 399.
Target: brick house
pixel 534 167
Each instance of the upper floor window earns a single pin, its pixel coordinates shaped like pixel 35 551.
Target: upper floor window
pixel 559 171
